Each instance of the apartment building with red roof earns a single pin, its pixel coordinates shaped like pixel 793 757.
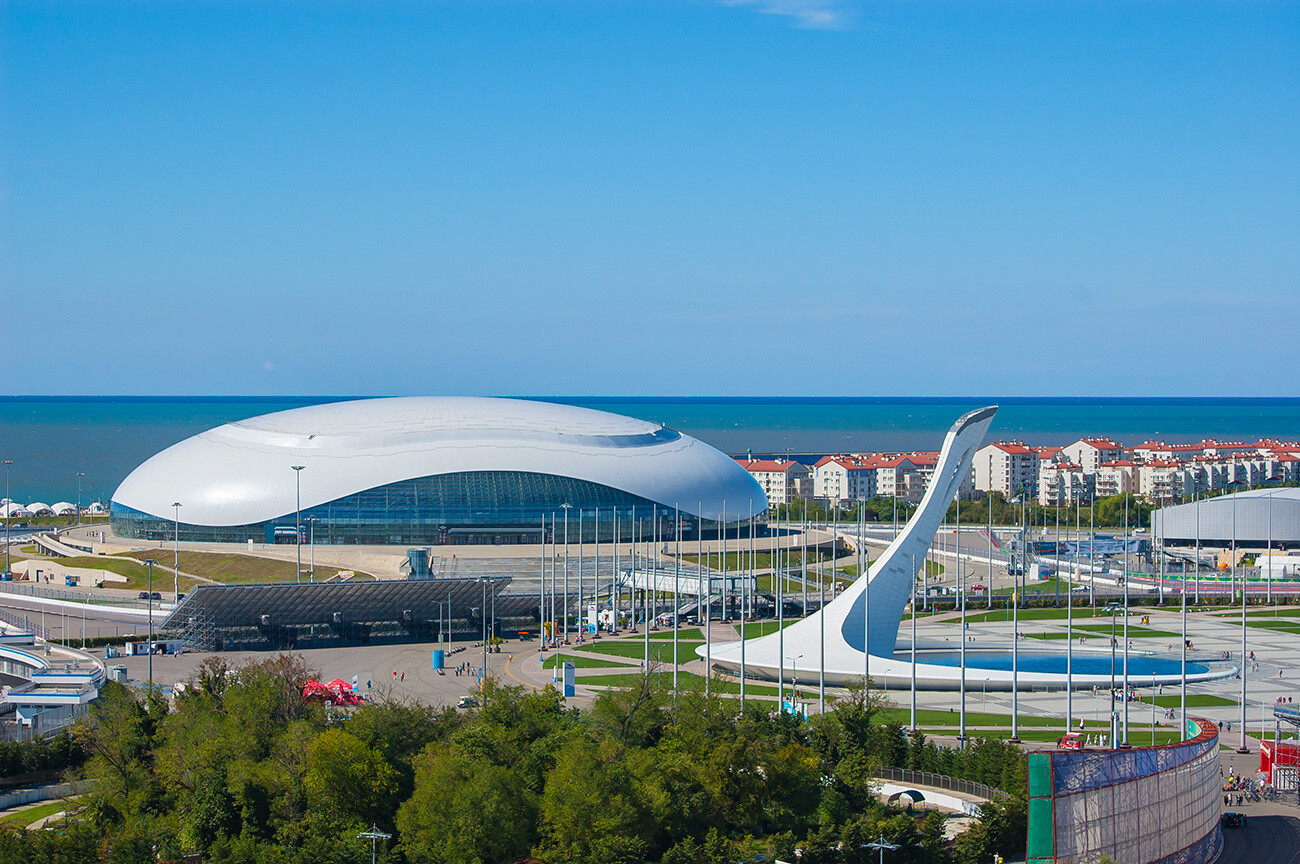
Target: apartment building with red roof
pixel 1008 467
pixel 783 480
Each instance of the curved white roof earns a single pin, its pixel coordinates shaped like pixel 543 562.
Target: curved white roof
pixel 241 473
pixel 14 509
pixel 63 508
pixel 37 507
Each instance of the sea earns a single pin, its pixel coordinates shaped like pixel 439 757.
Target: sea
pixel 53 439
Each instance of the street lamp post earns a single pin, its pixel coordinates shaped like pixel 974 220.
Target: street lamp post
pixel 176 551
pixel 882 844
pixel 794 675
pixel 80 474
pixel 373 835
pixel 297 518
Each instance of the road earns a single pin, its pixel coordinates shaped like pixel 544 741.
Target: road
pixel 1271 836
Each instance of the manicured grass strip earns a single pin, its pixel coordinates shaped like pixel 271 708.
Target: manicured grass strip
pixel 1276 626
pixel 689 680
pixel 1004 614
pixel 936 717
pixel 1133 631
pixel 584 662
pixel 762 628
pixel 660 652
pixel 1194 700
pixel 683 634
pixel 1137 737
pixel 23 818
pixel 230 567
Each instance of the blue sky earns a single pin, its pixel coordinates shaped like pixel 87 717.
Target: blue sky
pixel 672 198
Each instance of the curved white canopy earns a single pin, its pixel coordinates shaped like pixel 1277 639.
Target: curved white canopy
pixel 8 510
pixel 63 508
pixel 242 473
pixel 37 508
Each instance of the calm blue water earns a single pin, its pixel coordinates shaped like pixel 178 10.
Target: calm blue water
pixel 1082 664
pixel 51 439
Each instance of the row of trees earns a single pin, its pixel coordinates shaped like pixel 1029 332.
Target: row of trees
pixel 38 758
pixel 243 770
pixel 1105 512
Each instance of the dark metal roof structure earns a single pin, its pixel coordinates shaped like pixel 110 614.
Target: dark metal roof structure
pixel 217 617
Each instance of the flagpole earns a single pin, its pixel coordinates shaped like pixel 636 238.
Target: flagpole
pixel 677 587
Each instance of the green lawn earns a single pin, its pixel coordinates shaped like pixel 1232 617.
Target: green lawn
pixel 762 628
pixel 137 575
pixel 1036 588
pixel 693 633
pixel 1194 700
pixel 1276 626
pixel 1004 614
pixel 584 662
pixel 688 680
pixel 935 717
pixel 1133 632
pixel 1138 737
pixel 660 652
pixel 230 567
pixel 23 818
pixel 761 560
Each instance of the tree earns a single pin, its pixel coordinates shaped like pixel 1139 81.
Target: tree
pixel 347 783
pixel 588 798
pixel 465 810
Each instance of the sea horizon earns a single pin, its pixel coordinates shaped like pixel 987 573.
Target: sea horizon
pixel 53 438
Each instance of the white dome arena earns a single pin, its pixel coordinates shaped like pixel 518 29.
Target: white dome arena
pixel 424 470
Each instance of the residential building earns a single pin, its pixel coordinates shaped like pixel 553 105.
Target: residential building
pixel 845 478
pixel 1008 467
pixel 782 480
pixel 1090 453
pixel 1162 480
pixel 1060 483
pixel 1118 477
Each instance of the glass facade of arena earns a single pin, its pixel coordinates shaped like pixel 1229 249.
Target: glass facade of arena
pixel 472 507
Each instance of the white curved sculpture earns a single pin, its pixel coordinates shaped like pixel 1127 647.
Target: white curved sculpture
pixel 883 594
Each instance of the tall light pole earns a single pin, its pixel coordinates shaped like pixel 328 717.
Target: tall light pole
pixel 1182 700
pixel 297 518
pixel 176 551
pixel 8 509
pixel 80 474
pixel 961 588
pixel 1241 748
pixel 149 566
pixel 913 651
pixel 566 505
pixel 311 547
